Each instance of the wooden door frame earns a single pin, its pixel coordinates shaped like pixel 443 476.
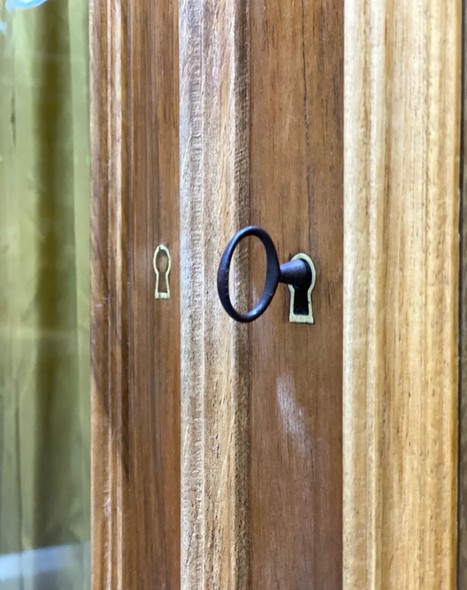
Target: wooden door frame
pixel 214 185
pixel 134 136
pixel 109 359
pixel 401 283
pixel 401 280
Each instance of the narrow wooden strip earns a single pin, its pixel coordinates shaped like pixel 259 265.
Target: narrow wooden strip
pixel 153 513
pixel 402 99
pixel 108 292
pixel 462 552
pixel 214 359
pixel 296 193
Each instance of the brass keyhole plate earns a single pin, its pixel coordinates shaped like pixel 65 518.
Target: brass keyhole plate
pixel 160 253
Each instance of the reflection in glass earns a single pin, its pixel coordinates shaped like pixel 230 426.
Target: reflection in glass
pixel 44 295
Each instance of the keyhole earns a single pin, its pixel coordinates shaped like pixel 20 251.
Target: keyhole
pixel 162 264
pixel 301 306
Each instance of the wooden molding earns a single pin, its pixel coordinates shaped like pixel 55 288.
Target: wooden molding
pixel 401 267
pixel 214 350
pixel 462 552
pixel 135 339
pixel 108 290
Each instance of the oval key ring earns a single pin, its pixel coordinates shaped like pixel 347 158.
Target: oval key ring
pixel 272 274
pixel 299 273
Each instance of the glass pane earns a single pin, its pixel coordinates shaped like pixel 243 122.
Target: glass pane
pixel 44 295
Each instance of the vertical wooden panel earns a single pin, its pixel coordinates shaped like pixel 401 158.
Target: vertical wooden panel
pixel 135 391
pixel 214 359
pixel 296 89
pixel 154 325
pixel 108 294
pixel 402 97
pixel 462 553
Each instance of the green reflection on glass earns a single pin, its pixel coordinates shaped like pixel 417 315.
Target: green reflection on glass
pixel 44 270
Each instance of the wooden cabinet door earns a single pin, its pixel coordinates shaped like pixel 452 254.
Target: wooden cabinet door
pixel 261 142
pixel 256 420
pixel 217 446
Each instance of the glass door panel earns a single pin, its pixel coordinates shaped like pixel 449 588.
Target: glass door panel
pixel 44 295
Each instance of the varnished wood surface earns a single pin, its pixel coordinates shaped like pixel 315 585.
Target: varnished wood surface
pixel 214 354
pixel 154 325
pixel 462 552
pixel 278 524
pixel 401 281
pixel 274 519
pixel 108 306
pixel 135 391
pixel 296 150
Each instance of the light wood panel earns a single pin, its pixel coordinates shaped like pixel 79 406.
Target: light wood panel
pixel 296 174
pixel 402 106
pixel 135 339
pixel 214 358
pixel 273 519
pixel 462 552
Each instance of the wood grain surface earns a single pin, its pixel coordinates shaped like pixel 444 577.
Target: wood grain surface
pixel 401 185
pixel 154 325
pixel 272 519
pixel 296 176
pixel 214 354
pixel 108 307
pixel 135 390
pixel 462 552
